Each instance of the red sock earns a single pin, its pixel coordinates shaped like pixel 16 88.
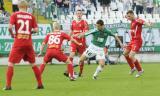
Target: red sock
pixel 42 66
pixel 9 76
pixel 81 67
pixel 130 62
pixel 138 65
pixel 37 75
pixel 70 70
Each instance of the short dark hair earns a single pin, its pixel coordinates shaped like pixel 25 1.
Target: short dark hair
pixel 79 10
pixel 100 22
pixel 130 12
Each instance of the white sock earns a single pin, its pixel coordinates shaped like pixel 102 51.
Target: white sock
pixel 99 69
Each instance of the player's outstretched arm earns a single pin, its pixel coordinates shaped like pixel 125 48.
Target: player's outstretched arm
pixel 10 30
pixel 119 41
pixel 75 41
pixel 41 49
pixel 87 33
pixel 149 24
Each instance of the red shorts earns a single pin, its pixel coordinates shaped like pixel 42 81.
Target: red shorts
pixel 134 45
pixel 24 52
pixel 76 48
pixel 57 54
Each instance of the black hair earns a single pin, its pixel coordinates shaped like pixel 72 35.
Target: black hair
pixel 79 10
pixel 100 22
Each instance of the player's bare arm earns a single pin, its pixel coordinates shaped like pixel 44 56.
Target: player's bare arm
pixel 10 30
pixel 75 41
pixel 81 35
pixel 149 24
pixel 119 41
pixel 41 49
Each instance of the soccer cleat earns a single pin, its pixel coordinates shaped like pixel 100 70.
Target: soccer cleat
pixel 7 88
pixel 72 79
pixel 40 87
pixel 80 74
pixel 65 74
pixel 94 77
pixel 132 71
pixel 139 73
pixel 75 76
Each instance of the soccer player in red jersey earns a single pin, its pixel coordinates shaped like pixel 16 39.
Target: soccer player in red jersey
pixel 135 44
pixel 78 26
pixel 22 47
pixel 54 41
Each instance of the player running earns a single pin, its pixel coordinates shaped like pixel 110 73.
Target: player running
pixel 79 26
pixel 135 44
pixel 54 41
pixel 96 48
pixel 22 47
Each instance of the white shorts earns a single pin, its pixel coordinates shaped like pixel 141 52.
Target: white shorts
pixel 93 50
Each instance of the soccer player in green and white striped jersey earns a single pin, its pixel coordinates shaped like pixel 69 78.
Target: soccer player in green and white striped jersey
pixel 96 48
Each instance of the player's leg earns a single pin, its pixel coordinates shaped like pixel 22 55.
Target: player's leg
pixel 47 58
pixel 70 69
pixel 9 75
pixel 81 63
pixel 37 74
pixel 88 53
pixel 60 56
pixel 99 68
pixel 72 54
pixel 82 58
pixel 129 61
pixel 135 49
pixel 81 66
pixel 73 49
pixel 137 63
pixel 81 50
pixel 42 67
pixel 100 56
pixel 15 56
pixel 30 57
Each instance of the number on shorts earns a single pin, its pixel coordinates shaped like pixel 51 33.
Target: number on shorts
pixel 23 24
pixel 89 53
pixel 54 39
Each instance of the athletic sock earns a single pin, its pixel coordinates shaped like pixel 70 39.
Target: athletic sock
pixel 81 68
pixel 130 62
pixel 9 75
pixel 70 70
pixel 138 65
pixel 37 75
pixel 99 69
pixel 42 67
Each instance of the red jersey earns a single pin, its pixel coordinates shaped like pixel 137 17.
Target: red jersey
pixel 79 27
pixel 24 22
pixel 136 29
pixel 55 40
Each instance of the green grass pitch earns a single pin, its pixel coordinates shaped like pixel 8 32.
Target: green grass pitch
pixel 113 81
